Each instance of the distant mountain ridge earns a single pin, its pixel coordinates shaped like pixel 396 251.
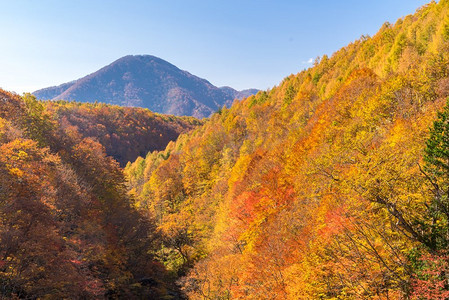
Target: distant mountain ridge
pixel 238 94
pixel 150 82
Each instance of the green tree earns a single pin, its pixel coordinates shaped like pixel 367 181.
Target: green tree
pixel 436 170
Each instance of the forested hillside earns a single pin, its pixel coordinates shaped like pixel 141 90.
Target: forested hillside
pixel 332 185
pixel 125 132
pixel 68 229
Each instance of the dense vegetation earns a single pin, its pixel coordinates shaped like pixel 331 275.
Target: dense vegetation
pixel 125 132
pixel 68 229
pixel 333 185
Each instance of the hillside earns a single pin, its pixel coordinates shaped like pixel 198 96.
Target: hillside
pixel 332 185
pixel 238 94
pixel 68 229
pixel 149 82
pixel 125 132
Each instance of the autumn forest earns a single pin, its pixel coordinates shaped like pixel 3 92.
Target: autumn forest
pixel 334 184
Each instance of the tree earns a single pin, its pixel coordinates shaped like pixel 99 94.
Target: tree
pixel 436 170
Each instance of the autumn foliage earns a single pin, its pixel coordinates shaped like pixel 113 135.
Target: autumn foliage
pixel 68 229
pixel 332 185
pixel 320 188
pixel 125 132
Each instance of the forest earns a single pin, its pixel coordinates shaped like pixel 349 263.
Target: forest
pixel 68 228
pixel 332 185
pixel 125 132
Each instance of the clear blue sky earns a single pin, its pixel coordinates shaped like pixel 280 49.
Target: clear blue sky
pixel 239 43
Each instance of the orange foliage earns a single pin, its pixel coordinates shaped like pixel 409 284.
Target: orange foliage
pixel 313 189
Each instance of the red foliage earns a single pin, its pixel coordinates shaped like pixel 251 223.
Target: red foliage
pixel 432 281
pixel 245 207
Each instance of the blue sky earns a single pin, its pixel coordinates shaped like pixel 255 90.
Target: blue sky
pixel 239 43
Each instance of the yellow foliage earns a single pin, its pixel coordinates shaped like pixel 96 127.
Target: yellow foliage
pixel 296 191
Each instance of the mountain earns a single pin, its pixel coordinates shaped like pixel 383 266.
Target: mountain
pixel 238 94
pixel 331 185
pixel 50 93
pixel 149 82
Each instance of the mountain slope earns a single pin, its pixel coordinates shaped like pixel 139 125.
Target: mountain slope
pixel 125 132
pixel 238 94
pixel 68 229
pixel 319 188
pixel 145 81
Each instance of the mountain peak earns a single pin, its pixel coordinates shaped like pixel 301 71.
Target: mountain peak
pixel 141 58
pixel 146 81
